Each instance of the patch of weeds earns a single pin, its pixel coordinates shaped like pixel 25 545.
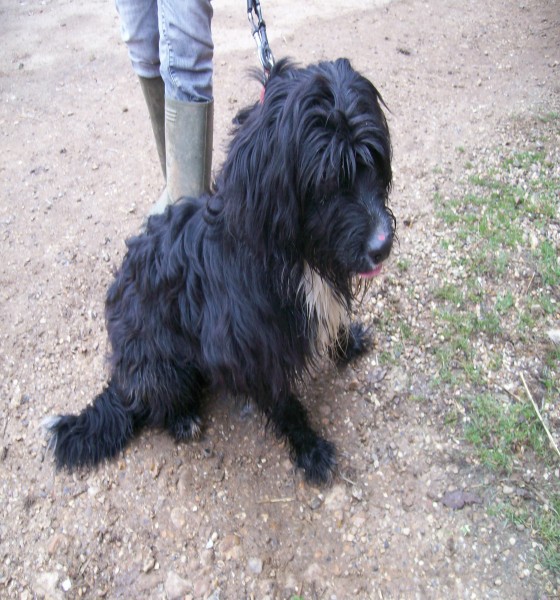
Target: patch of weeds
pixel 549 117
pixel 504 302
pixel 525 160
pixel 493 230
pixel 543 523
pixel 403 265
pixel 491 311
pixel 552 360
pixel 494 218
pixel 517 515
pixel 548 265
pixel 405 330
pixel 386 358
pixel 489 322
pixel 452 418
pixel 546 303
pixel 460 329
pixel 501 431
pixel 450 292
pixel 496 362
pixel 527 319
pixel 446 373
pixel 547 524
pixel 550 376
pixel 457 330
pixel 491 262
pixel 473 373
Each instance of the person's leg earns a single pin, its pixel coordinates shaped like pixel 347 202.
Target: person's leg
pixel 186 52
pixel 186 49
pixel 171 42
pixel 140 32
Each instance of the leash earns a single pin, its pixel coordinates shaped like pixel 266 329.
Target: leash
pixel 258 31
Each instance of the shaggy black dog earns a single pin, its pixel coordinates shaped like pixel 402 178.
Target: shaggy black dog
pixel 242 289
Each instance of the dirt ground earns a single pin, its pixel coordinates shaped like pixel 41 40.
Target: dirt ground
pixel 227 517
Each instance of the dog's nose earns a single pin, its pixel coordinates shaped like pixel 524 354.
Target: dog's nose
pixel 379 246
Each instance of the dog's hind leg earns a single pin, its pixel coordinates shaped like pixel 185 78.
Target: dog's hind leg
pixel 310 452
pixel 182 419
pixel 185 427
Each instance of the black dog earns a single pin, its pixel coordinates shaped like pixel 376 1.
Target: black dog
pixel 243 288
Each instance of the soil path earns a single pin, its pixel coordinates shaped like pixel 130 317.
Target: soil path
pixel 227 517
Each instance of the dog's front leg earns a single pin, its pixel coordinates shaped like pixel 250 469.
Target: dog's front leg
pixel 310 452
pixel 353 341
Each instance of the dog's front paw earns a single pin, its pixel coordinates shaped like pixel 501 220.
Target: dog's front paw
pixel 352 343
pixel 318 461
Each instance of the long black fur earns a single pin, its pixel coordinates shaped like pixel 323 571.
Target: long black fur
pixel 228 290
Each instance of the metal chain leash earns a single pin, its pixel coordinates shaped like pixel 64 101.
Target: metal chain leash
pixel 258 31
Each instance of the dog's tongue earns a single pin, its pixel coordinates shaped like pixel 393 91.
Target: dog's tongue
pixel 372 273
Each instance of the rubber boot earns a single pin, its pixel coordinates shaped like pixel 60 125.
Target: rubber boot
pixel 154 94
pixel 188 150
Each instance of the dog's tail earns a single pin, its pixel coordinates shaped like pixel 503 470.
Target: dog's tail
pixel 100 431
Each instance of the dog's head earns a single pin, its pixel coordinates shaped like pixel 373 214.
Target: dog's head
pixel 309 171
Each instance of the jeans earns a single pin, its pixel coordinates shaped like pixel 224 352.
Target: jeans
pixel 171 38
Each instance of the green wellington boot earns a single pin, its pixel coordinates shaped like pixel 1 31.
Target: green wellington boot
pixel 154 94
pixel 188 150
pixel 183 132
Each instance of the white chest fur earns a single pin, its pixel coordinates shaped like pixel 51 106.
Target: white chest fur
pixel 324 308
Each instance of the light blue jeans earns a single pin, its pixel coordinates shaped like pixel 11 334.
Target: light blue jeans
pixel 171 38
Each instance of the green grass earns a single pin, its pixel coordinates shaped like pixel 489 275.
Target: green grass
pixel 546 523
pixel 551 361
pixel 543 524
pixel 493 228
pixel 403 265
pixel 504 303
pixel 548 264
pixel 498 299
pixel 451 293
pixel 501 431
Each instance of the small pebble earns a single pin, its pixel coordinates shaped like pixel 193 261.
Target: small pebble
pixel 255 565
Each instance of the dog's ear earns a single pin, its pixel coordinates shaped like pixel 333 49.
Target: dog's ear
pixel 243 115
pixel 257 178
pixel 366 120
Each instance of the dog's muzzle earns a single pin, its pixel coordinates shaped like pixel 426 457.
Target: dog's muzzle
pixel 378 250
pixel 379 246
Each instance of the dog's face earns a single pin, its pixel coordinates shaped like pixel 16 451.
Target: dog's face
pixel 315 161
pixel 348 229
pixel 343 161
